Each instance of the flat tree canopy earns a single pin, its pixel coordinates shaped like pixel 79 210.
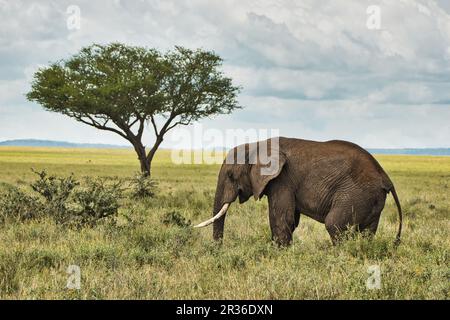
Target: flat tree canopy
pixel 121 88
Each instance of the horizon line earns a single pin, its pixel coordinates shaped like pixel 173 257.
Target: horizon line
pixel 80 145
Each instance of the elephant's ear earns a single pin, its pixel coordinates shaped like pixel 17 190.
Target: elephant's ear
pixel 265 169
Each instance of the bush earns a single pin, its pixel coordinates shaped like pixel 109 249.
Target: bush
pixel 175 218
pixel 142 187
pixel 18 206
pixel 52 188
pixel 63 199
pixel 97 200
pixel 56 192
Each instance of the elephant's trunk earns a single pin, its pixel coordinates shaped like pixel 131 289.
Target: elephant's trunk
pixel 220 208
pixel 218 223
pixel 226 193
pixel 219 201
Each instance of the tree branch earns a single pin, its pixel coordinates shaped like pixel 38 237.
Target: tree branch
pixel 155 128
pixel 141 128
pixel 159 135
pixel 173 126
pixel 134 122
pixel 100 126
pixel 166 125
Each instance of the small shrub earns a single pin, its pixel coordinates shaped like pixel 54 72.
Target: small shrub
pixel 52 188
pixel 175 218
pixel 142 187
pixel 63 199
pixel 16 205
pixel 56 192
pixel 97 200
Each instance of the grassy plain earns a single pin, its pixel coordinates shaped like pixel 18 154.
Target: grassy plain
pixel 142 258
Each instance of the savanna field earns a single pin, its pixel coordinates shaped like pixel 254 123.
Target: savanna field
pixel 142 255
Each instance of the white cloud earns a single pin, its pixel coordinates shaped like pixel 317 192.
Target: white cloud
pixel 302 63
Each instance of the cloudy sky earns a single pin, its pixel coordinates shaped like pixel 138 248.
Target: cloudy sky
pixel 310 68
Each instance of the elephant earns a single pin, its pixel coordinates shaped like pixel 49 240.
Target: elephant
pixel 335 182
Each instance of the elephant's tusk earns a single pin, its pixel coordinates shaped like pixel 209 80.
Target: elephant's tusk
pixel 216 217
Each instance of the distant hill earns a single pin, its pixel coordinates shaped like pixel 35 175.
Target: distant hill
pixel 64 144
pixel 423 152
pixel 60 144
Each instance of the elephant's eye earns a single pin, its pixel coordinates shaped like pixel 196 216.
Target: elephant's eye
pixel 230 174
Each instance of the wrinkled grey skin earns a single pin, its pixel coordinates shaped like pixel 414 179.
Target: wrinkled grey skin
pixel 335 182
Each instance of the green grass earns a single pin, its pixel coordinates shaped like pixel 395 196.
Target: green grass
pixel 143 258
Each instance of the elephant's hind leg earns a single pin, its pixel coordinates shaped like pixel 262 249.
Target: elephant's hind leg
pixel 370 224
pixel 336 223
pixel 361 214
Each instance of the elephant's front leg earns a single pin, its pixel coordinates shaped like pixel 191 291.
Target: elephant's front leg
pixel 281 213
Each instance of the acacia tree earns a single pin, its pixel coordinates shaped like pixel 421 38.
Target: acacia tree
pixel 121 89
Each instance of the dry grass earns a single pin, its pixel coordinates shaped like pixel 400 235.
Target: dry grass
pixel 143 258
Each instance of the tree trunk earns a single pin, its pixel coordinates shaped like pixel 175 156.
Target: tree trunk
pixel 142 157
pixel 146 159
pixel 151 153
pixel 145 167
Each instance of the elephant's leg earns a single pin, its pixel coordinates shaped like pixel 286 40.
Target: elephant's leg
pixel 282 217
pixel 296 219
pixel 336 223
pixel 359 212
pixel 370 225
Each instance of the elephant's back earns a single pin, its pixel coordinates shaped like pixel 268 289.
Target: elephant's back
pixel 336 158
pixel 333 149
pixel 325 172
pixel 359 155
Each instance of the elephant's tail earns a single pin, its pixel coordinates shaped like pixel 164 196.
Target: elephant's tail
pixel 400 216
